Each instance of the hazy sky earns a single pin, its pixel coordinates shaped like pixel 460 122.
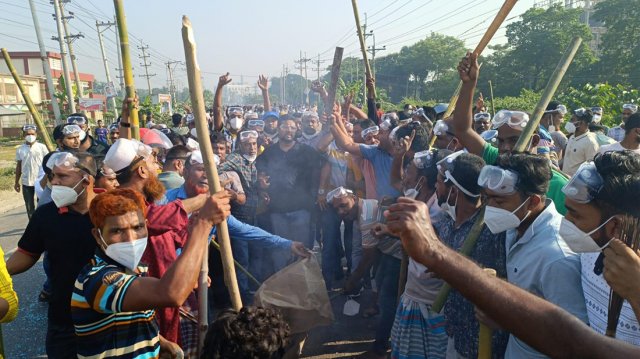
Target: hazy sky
pixel 249 37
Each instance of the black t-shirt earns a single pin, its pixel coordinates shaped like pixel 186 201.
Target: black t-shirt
pixel 66 236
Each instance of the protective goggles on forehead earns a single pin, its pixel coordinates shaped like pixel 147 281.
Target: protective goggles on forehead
pixel 256 124
pixel 561 109
pixel 515 119
pixel 420 113
pixel 77 120
pixel 309 115
pixel 490 136
pixel 498 180
pixel 441 128
pixel 482 116
pixel 71 129
pixel 251 116
pixel 423 159
pixel 114 128
pixel 597 110
pixel 629 106
pixel 373 131
pixel 67 161
pixel 386 124
pixel 107 172
pixel 339 192
pixel 445 167
pixel 348 126
pixel 248 135
pixel 580 112
pixel 28 127
pixel 235 111
pixel 585 184
pixel 390 116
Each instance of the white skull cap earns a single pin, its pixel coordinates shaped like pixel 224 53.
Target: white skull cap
pixel 196 158
pixel 123 152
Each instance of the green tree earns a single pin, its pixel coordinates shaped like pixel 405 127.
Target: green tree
pixel 609 97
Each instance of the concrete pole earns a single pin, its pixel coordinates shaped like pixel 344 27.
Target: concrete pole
pixel 69 39
pixel 106 63
pixel 63 57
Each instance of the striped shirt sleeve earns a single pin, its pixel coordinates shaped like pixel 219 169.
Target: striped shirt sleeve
pixel 6 291
pixel 105 291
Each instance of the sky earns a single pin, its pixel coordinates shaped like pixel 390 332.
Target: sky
pixel 248 37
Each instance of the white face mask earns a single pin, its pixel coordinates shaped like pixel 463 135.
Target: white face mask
pixel 250 158
pixel 351 307
pixel 126 253
pixel 413 192
pixel 64 196
pixel 499 220
pixel 83 135
pixel 30 138
pixel 236 123
pixel 570 127
pixel 579 241
pixel 450 209
pixel 552 128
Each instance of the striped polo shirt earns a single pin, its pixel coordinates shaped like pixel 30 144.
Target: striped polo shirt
pixel 103 329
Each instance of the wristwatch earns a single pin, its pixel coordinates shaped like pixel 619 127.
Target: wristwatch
pixel 321 191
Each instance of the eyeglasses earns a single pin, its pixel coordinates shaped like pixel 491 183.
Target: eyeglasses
pixel 515 119
pixel 248 135
pixel 28 127
pixel 373 131
pixel 71 129
pixel 585 184
pixel 482 116
pixel 77 120
pixel 339 192
pixel 498 179
pixel 256 124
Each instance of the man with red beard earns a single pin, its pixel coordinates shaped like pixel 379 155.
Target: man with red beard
pixel 136 167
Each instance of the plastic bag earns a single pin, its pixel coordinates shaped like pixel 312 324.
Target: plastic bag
pixel 299 292
pixel 351 307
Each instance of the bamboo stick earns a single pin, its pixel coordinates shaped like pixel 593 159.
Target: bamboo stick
pixel 130 86
pixel 198 107
pixel 485 334
pixel 27 99
pixel 335 77
pixel 547 94
pixel 363 49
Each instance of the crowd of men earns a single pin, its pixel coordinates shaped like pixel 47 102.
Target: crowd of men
pixel 123 225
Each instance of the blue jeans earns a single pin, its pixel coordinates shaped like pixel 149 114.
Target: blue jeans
pixel 295 226
pixel 331 251
pixel 240 250
pixel 389 271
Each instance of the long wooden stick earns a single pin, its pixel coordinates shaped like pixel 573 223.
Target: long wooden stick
pixel 467 248
pixel 485 335
pixel 493 107
pixel 32 108
pixel 484 41
pixel 130 86
pixel 547 94
pixel 363 49
pixel 198 107
pixel 335 77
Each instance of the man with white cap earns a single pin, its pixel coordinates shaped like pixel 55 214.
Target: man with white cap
pixel 63 229
pixel 617 133
pixel 136 168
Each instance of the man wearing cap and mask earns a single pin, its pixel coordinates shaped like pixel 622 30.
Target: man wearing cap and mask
pixel 196 183
pixel 235 119
pixel 63 229
pixel 87 142
pixel 69 137
pixel 552 122
pixel 538 259
pixel 599 194
pixel 136 168
pixel 631 140
pixel 617 132
pixel 458 195
pixel 583 145
pixel 114 302
pixel 29 158
pixel 509 126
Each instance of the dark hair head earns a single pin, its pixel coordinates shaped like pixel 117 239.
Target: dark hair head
pixel 430 172
pixel 632 122
pixel 534 172
pixel 57 132
pixel 620 171
pixel 552 106
pixel 286 117
pixel 365 123
pixel 466 171
pixel 86 162
pixel 586 116
pixel 421 139
pixel 378 105
pixel 217 137
pixel 176 118
pixel 176 138
pixel 430 112
pixel 253 332
pixel 178 152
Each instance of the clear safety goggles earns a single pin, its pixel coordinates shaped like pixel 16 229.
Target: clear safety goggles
pixel 585 183
pixel 580 112
pixel 114 128
pixel 255 124
pixel 390 116
pixel 235 111
pixel 251 116
pixel 490 136
pixel 515 119
pixel 67 161
pixel 78 120
pixel 71 129
pixel 373 131
pixel 248 135
pixel 441 128
pixel 386 124
pixel 28 127
pixel 107 172
pixel 561 109
pixel 498 179
pixel 423 159
pixel 309 115
pixel 629 106
pixel 597 110
pixel 420 113
pixel 339 192
pixel 482 116
pixel 446 165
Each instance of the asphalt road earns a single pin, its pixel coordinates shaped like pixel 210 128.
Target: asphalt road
pixel 25 337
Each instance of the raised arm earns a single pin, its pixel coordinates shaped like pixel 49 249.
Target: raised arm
pixel 263 84
pixel 468 70
pixel 371 101
pixel 218 118
pixel 400 151
pixel 343 140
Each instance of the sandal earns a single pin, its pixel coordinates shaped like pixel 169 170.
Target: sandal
pixel 44 296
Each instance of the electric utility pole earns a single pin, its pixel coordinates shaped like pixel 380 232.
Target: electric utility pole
pixel 71 102
pixel 69 38
pixel 146 65
pixel 111 94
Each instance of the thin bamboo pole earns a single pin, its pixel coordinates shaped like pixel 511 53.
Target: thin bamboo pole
pixel 363 49
pixel 485 334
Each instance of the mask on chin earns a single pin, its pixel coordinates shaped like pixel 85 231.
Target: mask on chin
pixel 448 208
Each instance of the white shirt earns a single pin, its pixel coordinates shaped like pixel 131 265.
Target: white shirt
pixel 616 147
pixel 31 158
pixel 579 150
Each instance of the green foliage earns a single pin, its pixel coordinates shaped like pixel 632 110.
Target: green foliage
pixel 527 101
pixel 609 97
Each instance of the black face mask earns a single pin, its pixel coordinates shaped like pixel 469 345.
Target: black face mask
pixel 309 131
